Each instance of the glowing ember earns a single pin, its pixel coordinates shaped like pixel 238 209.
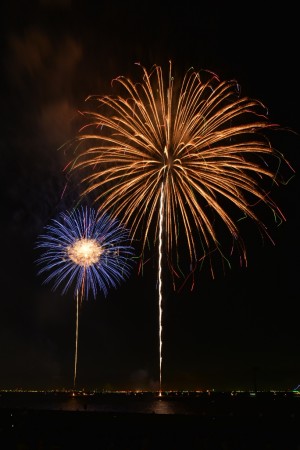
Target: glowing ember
pixel 85 252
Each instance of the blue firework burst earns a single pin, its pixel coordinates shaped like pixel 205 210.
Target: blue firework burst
pixel 84 249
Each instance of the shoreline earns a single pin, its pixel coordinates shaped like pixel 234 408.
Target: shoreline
pixel 217 422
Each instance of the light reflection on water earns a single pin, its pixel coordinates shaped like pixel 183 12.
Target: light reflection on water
pixel 162 406
pixel 206 406
pixel 147 406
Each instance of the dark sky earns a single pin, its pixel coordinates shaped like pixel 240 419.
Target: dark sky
pixel 240 326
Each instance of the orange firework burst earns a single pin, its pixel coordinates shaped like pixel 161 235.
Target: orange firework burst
pixel 199 148
pixel 177 161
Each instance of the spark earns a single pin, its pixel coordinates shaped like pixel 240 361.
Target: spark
pixel 84 252
pixel 160 284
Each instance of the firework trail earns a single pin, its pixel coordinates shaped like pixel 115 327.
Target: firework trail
pixel 179 161
pixel 87 251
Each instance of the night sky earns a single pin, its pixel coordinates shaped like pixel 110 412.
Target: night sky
pixel 229 332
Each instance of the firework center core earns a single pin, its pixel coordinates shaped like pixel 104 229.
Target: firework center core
pixel 168 158
pixel 85 252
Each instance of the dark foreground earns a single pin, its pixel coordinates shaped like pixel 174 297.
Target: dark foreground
pixel 272 424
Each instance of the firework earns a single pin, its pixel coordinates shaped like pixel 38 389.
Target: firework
pixel 86 250
pixel 179 160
